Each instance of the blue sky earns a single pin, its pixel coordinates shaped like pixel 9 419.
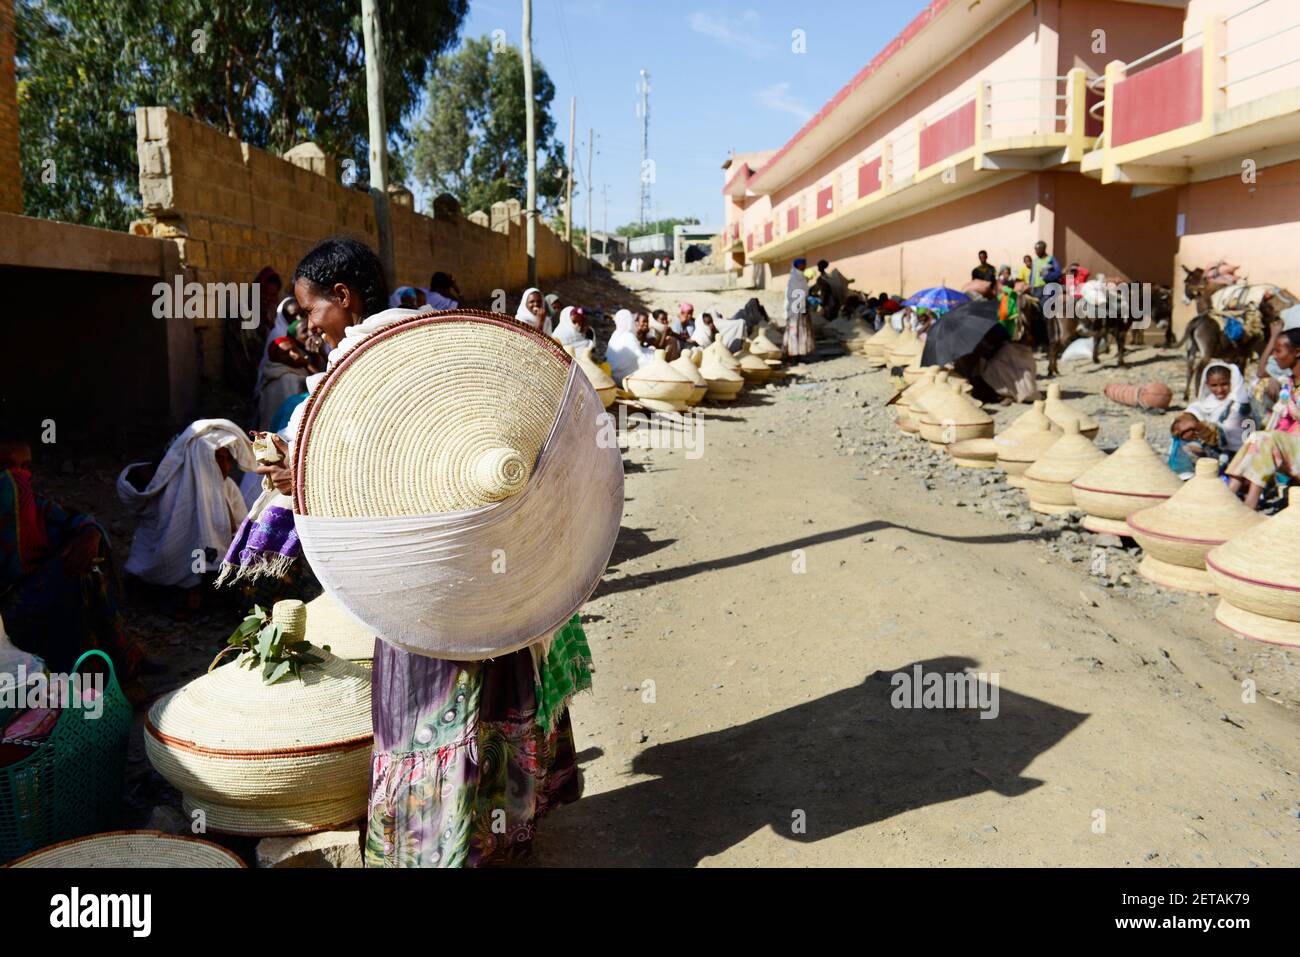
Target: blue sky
pixel 722 76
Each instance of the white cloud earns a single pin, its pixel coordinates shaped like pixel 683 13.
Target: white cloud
pixel 734 33
pixel 777 97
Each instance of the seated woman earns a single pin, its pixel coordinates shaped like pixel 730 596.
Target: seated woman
pixel 1192 440
pixel 59 593
pixel 1276 449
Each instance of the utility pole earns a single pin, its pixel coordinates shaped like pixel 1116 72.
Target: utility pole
pixel 372 36
pixel 568 195
pixel 531 213
pixel 604 192
pixel 591 135
pixel 644 89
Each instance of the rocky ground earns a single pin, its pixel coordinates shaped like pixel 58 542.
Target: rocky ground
pixel 765 592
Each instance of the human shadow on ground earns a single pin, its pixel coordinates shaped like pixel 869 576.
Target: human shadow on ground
pixel 637 538
pixel 836 763
pixel 634 543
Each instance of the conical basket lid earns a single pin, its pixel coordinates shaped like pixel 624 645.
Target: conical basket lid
pixel 723 356
pixel 762 345
pixel 1028 421
pixel 913 391
pixel 600 379
pixel 714 370
pixel 916 403
pixel 231 709
pixel 953 407
pixel 1028 445
pixel 902 349
pixel 657 379
pixel 1258 553
pixel 1061 412
pixel 329 623
pixel 686 367
pixel 1203 510
pixel 1132 469
pixel 1067 459
pixel 884 337
pixel 441 448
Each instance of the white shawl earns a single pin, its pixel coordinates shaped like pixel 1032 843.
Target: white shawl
pixel 624 353
pixel 796 294
pixel 523 315
pixel 566 332
pixel 1225 412
pixel 187 506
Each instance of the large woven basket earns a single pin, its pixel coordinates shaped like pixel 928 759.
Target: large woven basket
pixel 1176 534
pixel 329 623
pixel 1254 574
pixel 1060 412
pixel 1131 478
pixel 133 849
pixel 1018 450
pixel 1048 480
pixel 258 759
pixel 443 467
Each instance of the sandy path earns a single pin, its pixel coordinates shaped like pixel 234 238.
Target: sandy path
pixel 1121 735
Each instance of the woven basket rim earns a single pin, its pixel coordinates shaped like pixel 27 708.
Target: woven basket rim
pixel 421 319
pixel 1263 583
pixel 184 744
pixel 130 832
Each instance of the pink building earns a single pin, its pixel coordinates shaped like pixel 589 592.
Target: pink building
pixel 1101 127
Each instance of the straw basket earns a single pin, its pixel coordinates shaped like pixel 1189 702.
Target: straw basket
pixel 1060 412
pixel 658 386
pixel 439 448
pixel 601 380
pixel 723 383
pixel 1176 534
pixel 1131 478
pixel 874 348
pixel 903 349
pixel 1048 480
pixel 754 369
pixel 974 453
pixel 686 366
pixel 951 417
pixel 258 759
pixel 328 623
pixel 1258 582
pixel 903 407
pixel 1016 452
pixel 764 348
pixel 1027 421
pixel 132 849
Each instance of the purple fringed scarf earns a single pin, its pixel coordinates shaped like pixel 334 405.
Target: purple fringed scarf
pixel 266 544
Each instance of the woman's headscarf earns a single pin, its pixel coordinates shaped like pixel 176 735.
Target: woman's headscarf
pixel 702 335
pixel 566 332
pixel 796 291
pixel 548 303
pixel 624 353
pixel 1206 407
pixel 523 315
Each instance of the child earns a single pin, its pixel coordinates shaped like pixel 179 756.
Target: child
pixel 1194 439
pixel 1224 401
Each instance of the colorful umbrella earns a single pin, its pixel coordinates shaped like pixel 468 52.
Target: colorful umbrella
pixel 938 298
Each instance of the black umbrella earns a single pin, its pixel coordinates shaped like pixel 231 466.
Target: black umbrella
pixel 959 332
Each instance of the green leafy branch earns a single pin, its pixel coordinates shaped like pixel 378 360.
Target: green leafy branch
pixel 260 641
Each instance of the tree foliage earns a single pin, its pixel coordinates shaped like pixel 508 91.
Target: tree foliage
pixel 271 72
pixel 472 139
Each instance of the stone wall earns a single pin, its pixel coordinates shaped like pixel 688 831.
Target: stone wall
pixel 233 209
pixel 11 177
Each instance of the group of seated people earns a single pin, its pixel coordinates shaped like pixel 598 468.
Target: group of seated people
pixel 1251 428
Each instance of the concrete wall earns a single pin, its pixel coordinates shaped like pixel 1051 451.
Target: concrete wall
pixel 1107 230
pixel 1256 226
pixel 233 209
pixel 11 177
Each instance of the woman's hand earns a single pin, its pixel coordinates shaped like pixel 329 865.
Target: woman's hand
pixel 281 475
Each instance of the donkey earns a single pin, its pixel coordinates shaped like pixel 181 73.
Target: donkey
pixel 1204 337
pixel 1062 329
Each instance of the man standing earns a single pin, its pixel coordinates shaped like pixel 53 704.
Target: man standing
pixel 984 270
pixel 1045 269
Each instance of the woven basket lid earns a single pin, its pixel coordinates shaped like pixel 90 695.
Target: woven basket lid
pixel 686 367
pixel 723 356
pixel 1259 553
pixel 949 406
pixel 1026 446
pixel 715 370
pixel 1203 510
pixel 329 623
pixel 1132 469
pixel 904 348
pixel 657 379
pixel 1027 421
pixel 920 391
pixel 1068 458
pixel 232 710
pixel 884 337
pixel 913 391
pixel 761 345
pixel 442 467
pixel 748 360
pixel 599 378
pixel 1061 412
pixel 132 849
pixel 979 450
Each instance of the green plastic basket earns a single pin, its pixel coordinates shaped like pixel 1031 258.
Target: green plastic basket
pixel 72 784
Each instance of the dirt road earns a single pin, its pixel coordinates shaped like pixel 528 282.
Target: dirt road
pixel 764 594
